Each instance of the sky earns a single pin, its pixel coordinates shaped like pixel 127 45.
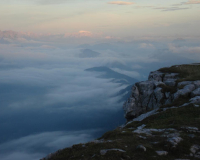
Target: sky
pixel 102 18
pixel 67 66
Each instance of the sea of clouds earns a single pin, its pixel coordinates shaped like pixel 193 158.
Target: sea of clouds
pixel 48 99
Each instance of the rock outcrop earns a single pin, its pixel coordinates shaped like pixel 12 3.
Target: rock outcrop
pixel 167 107
pixel 160 89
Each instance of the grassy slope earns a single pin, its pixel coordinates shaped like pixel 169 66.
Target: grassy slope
pixel 190 72
pixel 125 139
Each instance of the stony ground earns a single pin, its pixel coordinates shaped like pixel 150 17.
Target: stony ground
pixel 170 134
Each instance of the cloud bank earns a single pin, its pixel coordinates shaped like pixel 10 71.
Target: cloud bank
pixel 192 2
pixel 36 146
pixel 46 78
pixel 121 3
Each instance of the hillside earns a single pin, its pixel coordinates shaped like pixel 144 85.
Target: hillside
pixel 163 121
pixel 116 77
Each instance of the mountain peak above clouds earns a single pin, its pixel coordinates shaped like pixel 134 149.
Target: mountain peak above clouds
pixel 88 53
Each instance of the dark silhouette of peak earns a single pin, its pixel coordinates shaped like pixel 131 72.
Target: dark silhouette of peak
pixel 88 53
pixel 108 73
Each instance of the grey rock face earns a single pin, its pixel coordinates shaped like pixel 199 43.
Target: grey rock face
pixel 185 91
pixel 145 96
pixel 170 79
pixel 160 89
pixel 150 94
pixel 156 76
pixel 159 96
pixel 195 100
pixel 196 92
pixel 132 108
pixel 195 151
pixel 139 100
pixel 197 83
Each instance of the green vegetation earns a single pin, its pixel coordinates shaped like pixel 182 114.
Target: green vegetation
pixel 190 72
pixel 166 88
pixel 125 139
pixel 178 102
pixel 172 118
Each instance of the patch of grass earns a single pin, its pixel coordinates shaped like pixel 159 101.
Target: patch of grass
pixel 186 72
pixel 166 88
pixel 175 118
pixel 172 118
pixel 125 139
pixel 178 102
pixel 116 134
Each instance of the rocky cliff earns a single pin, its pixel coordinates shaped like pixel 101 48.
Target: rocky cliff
pixel 161 88
pixel 163 116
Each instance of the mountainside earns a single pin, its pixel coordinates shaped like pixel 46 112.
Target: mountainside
pixel 88 53
pixel 116 77
pixel 163 121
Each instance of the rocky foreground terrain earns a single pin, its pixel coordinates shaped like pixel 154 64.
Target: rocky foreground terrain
pixel 163 121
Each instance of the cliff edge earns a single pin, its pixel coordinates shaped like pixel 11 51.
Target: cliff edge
pixel 164 87
pixel 163 122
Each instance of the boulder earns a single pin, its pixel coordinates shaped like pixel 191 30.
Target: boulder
pixel 197 83
pixel 174 140
pixel 162 153
pixel 185 91
pixel 195 93
pixel 195 100
pixel 194 149
pixel 141 148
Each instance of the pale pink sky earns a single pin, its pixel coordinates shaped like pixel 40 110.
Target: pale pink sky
pixel 104 18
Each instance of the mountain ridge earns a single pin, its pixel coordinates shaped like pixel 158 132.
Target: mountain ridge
pixel 108 73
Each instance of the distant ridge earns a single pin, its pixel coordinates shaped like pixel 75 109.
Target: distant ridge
pixel 110 74
pixel 88 53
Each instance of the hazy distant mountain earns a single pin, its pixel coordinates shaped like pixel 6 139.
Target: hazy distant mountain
pixel 14 35
pixel 99 46
pixel 119 66
pixel 88 53
pixel 179 40
pixel 108 73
